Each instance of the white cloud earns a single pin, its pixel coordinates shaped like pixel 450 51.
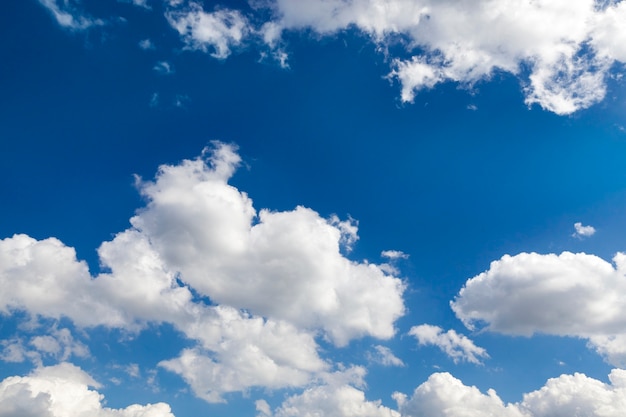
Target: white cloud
pixel 384 356
pixel 238 351
pixel 336 397
pixel 197 229
pixel 579 395
pixel 394 254
pixel 218 31
pixel 442 395
pixel 285 265
pixel 570 294
pixel 457 347
pixel 68 14
pixel 333 401
pixel 561 51
pixel 583 231
pixel 63 391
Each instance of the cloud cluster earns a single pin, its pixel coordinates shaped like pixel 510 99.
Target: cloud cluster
pixel 561 51
pixel 64 391
pixel 275 281
pixel 442 395
pixel 576 295
pixel 457 346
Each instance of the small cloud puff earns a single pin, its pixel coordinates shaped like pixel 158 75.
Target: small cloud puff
pixel 583 231
pixel 457 346
pixel 163 67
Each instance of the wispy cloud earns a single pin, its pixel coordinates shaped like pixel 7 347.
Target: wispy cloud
pixel 457 346
pixel 69 15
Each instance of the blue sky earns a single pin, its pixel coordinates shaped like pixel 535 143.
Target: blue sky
pixel 284 208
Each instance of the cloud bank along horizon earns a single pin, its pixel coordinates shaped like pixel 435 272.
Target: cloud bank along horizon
pixel 255 292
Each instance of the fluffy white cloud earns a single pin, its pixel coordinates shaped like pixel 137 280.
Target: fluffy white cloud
pixel 238 351
pixel 336 397
pixel 285 265
pixel 579 395
pixel 442 395
pixel 218 31
pixel 457 346
pixel 64 391
pixel 568 47
pixel 68 15
pixel 333 401
pixel 583 231
pixel 570 294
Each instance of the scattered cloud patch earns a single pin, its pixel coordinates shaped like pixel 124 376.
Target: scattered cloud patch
pixel 69 15
pixel 583 231
pixel 146 45
pixel 577 295
pixel 384 356
pixel 457 347
pixel 215 32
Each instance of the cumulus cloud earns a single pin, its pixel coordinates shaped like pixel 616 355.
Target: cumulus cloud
pixel 69 15
pixel 457 346
pixel 583 231
pixel 577 295
pixel 442 395
pixel 64 391
pixel 578 395
pixel 285 265
pixel 277 280
pixel 216 32
pixel 337 397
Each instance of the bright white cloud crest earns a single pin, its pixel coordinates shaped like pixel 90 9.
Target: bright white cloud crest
pixel 63 391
